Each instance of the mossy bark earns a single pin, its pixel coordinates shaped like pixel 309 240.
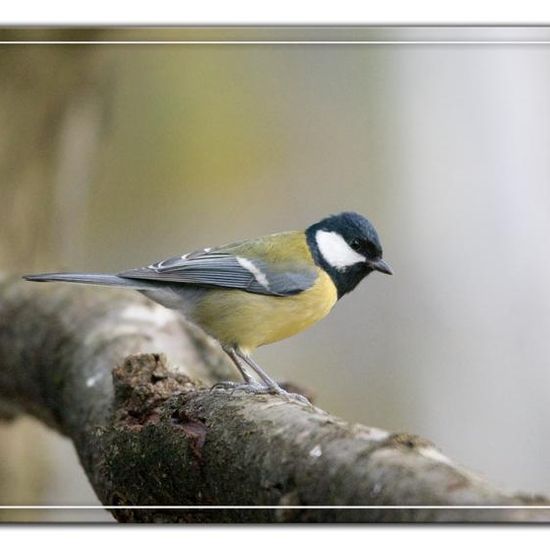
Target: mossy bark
pixel 148 430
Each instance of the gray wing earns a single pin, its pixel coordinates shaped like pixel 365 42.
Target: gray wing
pixel 221 269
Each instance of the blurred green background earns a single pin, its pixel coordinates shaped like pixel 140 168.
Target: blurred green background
pixel 112 156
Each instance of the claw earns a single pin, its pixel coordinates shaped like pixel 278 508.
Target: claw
pixel 236 386
pixel 225 385
pixel 300 398
pixel 277 390
pixel 258 389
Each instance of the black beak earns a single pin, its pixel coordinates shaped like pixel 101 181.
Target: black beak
pixel 382 266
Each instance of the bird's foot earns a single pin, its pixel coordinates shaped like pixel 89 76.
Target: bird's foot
pixel 275 389
pixel 258 389
pixel 248 387
pixel 299 397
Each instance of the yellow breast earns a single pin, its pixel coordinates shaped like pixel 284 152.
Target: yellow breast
pixel 235 317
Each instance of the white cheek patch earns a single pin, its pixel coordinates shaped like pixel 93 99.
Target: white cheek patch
pixel 336 251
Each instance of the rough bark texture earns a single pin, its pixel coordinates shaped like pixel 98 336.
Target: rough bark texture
pixel 92 363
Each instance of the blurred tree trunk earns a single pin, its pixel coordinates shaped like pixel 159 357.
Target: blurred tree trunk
pixel 51 105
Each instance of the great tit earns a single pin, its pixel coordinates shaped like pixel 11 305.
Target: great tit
pixel 250 293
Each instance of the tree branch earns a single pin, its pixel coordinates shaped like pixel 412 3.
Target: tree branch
pixel 92 364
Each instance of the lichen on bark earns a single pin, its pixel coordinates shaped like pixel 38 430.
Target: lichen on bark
pixel 129 383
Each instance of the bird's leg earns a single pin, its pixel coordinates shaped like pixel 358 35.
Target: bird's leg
pixel 237 360
pixel 266 379
pixel 249 383
pixel 270 385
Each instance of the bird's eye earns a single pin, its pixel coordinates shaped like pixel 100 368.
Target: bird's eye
pixel 355 244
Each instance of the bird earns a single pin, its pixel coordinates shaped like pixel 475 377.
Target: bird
pixel 250 293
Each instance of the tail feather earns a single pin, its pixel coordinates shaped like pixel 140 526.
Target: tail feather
pixel 101 279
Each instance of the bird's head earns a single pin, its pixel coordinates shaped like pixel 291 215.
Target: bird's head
pixel 347 247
